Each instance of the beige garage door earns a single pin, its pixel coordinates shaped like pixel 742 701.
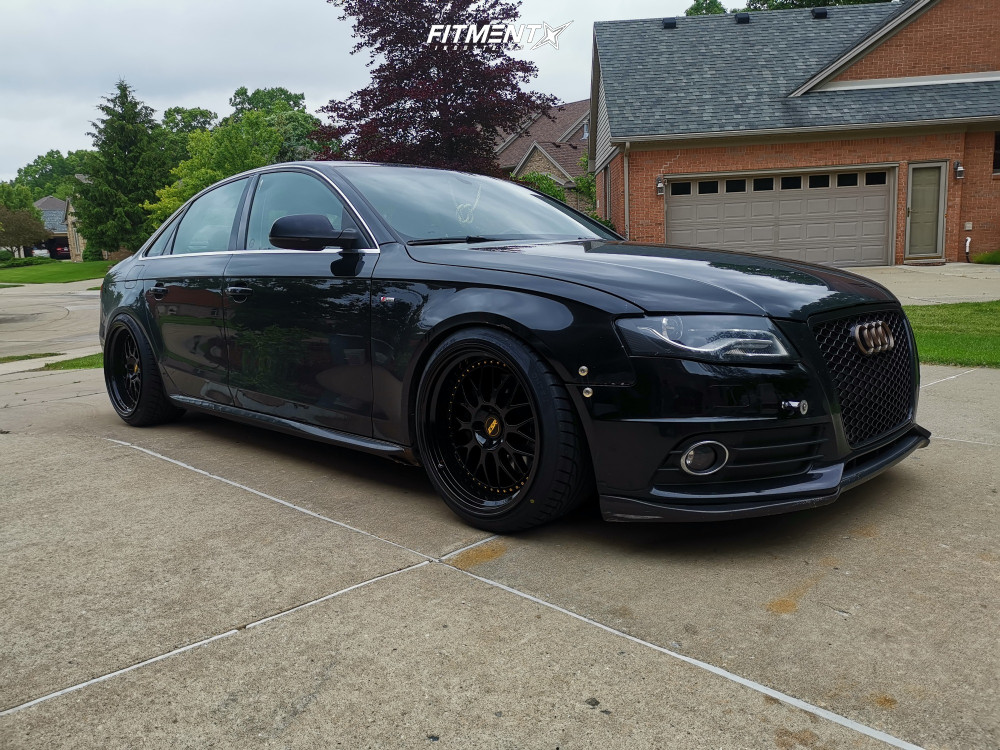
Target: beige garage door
pixel 841 219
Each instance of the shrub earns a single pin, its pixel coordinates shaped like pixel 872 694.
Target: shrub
pixel 22 262
pixel 992 258
pixel 92 253
pixel 6 255
pixel 543 184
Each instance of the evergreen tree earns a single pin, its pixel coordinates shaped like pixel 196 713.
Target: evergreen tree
pixel 129 165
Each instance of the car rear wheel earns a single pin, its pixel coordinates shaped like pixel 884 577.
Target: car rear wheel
pixel 132 378
pixel 497 433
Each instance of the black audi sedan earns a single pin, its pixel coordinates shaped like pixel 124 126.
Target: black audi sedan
pixel 521 352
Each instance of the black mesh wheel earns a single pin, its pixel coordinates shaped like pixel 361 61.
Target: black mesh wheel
pixel 497 433
pixel 132 377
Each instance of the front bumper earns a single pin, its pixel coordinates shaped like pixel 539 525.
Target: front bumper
pixel 817 487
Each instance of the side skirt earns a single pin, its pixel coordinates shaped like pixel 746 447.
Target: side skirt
pixel 383 448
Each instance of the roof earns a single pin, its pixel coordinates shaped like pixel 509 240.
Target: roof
pixel 53 213
pixel 512 148
pixel 564 154
pixel 711 75
pixel 50 203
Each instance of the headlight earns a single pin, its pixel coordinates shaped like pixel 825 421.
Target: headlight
pixel 734 339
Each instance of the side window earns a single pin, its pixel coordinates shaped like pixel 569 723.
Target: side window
pixel 286 194
pixel 163 241
pixel 208 223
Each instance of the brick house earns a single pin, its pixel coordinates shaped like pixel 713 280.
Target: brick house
pixel 53 213
pixel 551 145
pixel 853 135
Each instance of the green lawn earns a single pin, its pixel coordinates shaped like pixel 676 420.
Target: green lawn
pixel 60 272
pixel 22 357
pixel 78 363
pixel 965 333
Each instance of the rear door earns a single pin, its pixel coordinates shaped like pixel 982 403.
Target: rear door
pixel 183 290
pixel 298 322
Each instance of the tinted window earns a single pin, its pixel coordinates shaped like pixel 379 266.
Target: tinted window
pixel 736 186
pixel 162 242
pixel 286 194
pixel 875 178
pixel 708 187
pixel 680 188
pixel 434 203
pixel 791 183
pixel 763 183
pixel 819 181
pixel 208 223
pixel 847 180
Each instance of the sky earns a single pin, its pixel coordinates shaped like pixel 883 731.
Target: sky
pixel 64 55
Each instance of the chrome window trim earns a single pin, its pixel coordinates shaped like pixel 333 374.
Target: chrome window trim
pixel 269 251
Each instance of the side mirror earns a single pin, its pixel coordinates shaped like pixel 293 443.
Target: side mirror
pixel 310 232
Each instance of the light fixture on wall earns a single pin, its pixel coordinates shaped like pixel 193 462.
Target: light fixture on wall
pixel 659 185
pixel 959 170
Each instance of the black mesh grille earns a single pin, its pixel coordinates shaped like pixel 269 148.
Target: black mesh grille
pixel 875 391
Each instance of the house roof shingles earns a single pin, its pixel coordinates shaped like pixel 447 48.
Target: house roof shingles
pixel 662 82
pixel 53 213
pixel 543 130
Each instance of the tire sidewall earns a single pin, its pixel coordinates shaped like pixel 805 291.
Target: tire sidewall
pixel 150 372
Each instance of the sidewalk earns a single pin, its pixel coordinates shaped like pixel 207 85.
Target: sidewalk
pixel 935 285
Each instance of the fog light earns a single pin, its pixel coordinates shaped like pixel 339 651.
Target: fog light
pixel 704 458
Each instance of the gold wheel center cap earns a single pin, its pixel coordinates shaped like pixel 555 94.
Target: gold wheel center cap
pixel 492 427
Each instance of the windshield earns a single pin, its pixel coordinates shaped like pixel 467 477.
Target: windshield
pixel 424 204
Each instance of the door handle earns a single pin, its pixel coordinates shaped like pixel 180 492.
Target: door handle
pixel 158 290
pixel 239 291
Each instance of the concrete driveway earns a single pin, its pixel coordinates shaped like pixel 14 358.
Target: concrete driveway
pixel 209 584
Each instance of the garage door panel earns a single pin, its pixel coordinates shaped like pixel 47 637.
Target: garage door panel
pixel 839 226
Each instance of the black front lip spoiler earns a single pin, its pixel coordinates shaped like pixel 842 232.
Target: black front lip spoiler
pixel 837 478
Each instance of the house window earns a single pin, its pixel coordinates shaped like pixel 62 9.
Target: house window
pixel 819 180
pixel 680 188
pixel 763 183
pixel 875 178
pixel 847 180
pixel 707 187
pixel 736 186
pixel 586 131
pixel 996 151
pixel 791 183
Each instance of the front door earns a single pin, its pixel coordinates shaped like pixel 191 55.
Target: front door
pixel 183 289
pixel 298 322
pixel 925 211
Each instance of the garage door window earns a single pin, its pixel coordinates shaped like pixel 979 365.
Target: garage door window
pixel 707 187
pixel 791 183
pixel 819 181
pixel 848 179
pixel 875 178
pixel 736 186
pixel 760 184
pixel 680 188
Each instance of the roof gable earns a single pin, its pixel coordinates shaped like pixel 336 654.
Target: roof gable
pixel 564 117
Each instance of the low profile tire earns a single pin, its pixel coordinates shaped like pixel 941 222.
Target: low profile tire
pixel 497 433
pixel 132 377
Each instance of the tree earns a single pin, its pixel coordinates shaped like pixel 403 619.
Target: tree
pixel 54 174
pixel 243 144
pixel 789 4
pixel 17 197
pixel 265 100
pixel 21 228
pixel 705 8
pixel 433 104
pixel 178 123
pixel 129 166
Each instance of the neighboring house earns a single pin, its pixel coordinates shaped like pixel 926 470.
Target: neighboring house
pixel 53 213
pixel 77 243
pixel 552 145
pixel 853 135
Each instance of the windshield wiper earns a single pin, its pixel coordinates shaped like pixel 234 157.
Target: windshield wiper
pixel 470 239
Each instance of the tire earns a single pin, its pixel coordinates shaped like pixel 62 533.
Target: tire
pixel 497 433
pixel 133 378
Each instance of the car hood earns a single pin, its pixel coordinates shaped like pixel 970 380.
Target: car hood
pixel 667 279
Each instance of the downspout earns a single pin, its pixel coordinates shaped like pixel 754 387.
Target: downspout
pixel 628 221
pixel 968 241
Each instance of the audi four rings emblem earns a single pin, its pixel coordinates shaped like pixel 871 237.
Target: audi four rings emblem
pixel 873 337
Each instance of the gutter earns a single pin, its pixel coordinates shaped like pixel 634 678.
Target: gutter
pixel 812 129
pixel 627 207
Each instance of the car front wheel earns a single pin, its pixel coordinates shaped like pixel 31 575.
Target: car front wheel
pixel 497 433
